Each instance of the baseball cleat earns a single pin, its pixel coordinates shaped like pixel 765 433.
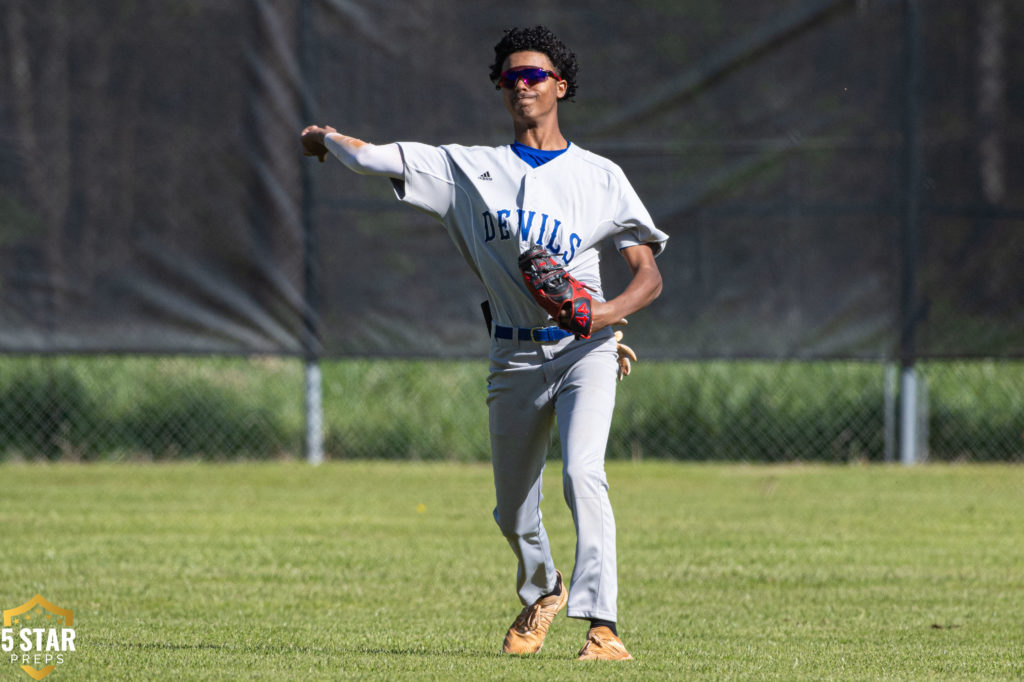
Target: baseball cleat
pixel 603 645
pixel 526 636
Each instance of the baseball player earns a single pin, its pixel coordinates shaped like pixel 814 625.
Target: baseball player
pixel 528 219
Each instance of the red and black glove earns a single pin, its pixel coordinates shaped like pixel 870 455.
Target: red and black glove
pixel 563 297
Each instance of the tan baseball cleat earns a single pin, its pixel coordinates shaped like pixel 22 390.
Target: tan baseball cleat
pixel 526 636
pixel 603 645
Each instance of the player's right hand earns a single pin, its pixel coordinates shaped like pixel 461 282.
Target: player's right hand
pixel 626 354
pixel 312 138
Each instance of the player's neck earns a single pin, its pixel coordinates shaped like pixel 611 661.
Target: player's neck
pixel 547 138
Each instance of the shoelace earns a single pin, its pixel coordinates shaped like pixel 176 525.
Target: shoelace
pixel 529 618
pixel 601 644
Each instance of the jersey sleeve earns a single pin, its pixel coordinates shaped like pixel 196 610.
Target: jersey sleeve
pixel 634 222
pixel 427 182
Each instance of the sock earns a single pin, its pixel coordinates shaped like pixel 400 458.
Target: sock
pixel 555 592
pixel 597 622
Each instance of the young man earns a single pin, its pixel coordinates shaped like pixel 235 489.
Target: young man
pixel 496 203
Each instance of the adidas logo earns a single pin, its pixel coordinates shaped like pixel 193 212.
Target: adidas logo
pixel 485 176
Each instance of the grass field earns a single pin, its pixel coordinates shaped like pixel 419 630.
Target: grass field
pixel 381 570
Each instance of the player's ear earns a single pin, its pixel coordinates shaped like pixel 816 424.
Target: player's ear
pixel 561 88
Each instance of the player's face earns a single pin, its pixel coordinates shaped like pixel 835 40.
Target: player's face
pixel 530 103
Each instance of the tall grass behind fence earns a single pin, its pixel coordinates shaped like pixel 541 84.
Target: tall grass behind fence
pixel 149 408
pixel 129 408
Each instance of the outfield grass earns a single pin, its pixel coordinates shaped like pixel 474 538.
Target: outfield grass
pixel 383 570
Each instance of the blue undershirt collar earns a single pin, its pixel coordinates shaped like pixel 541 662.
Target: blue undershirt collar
pixel 536 157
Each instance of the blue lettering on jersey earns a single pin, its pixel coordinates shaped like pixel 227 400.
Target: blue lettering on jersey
pixel 524 228
pixel 488 226
pixel 555 250
pixel 574 241
pixel 497 225
pixel 503 223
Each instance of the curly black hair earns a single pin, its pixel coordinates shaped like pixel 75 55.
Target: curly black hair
pixel 537 39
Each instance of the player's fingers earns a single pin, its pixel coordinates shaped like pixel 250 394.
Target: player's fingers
pixel 626 352
pixel 310 149
pixel 621 323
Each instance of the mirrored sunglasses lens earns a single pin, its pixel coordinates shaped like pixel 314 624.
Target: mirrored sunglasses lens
pixel 535 77
pixel 529 76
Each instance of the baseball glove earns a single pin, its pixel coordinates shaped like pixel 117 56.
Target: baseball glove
pixel 557 292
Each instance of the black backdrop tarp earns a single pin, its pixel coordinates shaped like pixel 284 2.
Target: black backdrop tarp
pixel 840 178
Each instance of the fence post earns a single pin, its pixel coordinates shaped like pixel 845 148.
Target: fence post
pixel 908 415
pixel 909 309
pixel 923 411
pixel 889 412
pixel 314 441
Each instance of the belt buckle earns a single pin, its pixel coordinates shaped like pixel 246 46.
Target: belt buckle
pixel 533 335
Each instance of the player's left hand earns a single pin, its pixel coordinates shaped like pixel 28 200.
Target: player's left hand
pixel 560 294
pixel 603 315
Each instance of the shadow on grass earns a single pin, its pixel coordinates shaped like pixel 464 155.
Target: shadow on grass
pixel 367 650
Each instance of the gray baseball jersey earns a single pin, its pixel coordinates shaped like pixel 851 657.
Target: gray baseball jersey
pixel 495 206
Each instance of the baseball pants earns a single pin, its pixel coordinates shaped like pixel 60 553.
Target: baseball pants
pixel 531 386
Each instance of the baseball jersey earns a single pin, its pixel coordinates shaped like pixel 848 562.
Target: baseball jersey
pixel 495 206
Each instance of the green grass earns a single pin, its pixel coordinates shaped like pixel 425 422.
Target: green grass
pixel 149 407
pixel 382 570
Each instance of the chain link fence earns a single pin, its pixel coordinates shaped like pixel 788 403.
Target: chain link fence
pixel 838 178
pixel 216 408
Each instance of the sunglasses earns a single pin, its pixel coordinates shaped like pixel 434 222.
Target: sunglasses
pixel 531 75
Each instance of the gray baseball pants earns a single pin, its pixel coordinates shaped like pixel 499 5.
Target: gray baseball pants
pixel 530 386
